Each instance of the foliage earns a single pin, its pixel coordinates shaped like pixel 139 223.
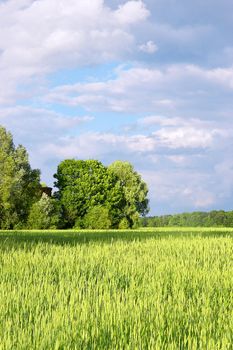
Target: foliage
pixel 117 290
pixel 97 218
pixel 123 224
pixel 86 184
pixel 83 185
pixel 134 188
pixel 43 214
pixel 196 219
pixel 19 184
pixel 136 220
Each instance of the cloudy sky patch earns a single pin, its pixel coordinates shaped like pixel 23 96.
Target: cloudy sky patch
pixel 146 81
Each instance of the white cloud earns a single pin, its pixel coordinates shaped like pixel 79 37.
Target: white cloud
pixel 96 144
pixel 180 191
pixel 149 47
pixel 132 12
pixel 141 89
pixel 38 125
pixel 160 120
pixel 186 133
pixel 38 37
pixel 149 145
pixel 37 129
pixel 187 137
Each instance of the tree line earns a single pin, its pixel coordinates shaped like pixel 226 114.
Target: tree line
pixel 213 218
pixel 88 194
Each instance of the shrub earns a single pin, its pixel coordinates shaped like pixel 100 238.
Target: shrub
pixel 78 224
pixel 124 224
pixel 97 218
pixel 135 219
pixel 43 214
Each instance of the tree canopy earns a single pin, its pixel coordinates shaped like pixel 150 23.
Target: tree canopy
pixel 134 189
pixel 89 194
pixel 97 218
pixel 213 218
pixel 19 184
pixel 44 214
pixel 83 185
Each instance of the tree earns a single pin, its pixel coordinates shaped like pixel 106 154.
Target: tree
pixel 43 214
pixel 83 185
pixel 135 191
pixel 229 219
pixel 123 224
pixel 19 184
pixel 97 218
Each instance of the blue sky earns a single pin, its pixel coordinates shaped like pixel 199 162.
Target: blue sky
pixel 148 81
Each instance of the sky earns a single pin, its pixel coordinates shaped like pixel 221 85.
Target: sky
pixel 150 82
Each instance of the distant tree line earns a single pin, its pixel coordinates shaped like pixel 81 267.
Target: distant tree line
pixel 213 218
pixel 88 195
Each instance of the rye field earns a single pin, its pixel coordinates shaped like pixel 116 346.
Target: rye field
pixel 147 289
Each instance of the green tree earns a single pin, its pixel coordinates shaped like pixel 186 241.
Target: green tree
pixel 43 214
pixel 83 185
pixel 123 224
pixel 19 184
pixel 135 191
pixel 229 219
pixel 203 219
pixel 97 218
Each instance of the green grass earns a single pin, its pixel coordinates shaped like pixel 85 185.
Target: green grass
pixel 148 289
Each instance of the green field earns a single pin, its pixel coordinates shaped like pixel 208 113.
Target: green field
pixel 148 289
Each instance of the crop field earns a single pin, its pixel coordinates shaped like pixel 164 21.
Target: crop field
pixel 147 289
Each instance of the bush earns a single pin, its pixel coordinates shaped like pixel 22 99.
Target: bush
pixel 135 220
pixel 43 214
pixel 96 218
pixel 79 224
pixel 124 224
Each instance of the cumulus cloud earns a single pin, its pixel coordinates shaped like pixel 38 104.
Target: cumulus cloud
pixel 179 191
pixel 151 89
pixel 186 133
pixel 158 140
pixel 36 126
pixel 180 107
pixel 187 137
pixel 183 172
pixel 131 12
pixel 38 37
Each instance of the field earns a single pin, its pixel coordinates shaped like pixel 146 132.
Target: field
pixel 148 289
